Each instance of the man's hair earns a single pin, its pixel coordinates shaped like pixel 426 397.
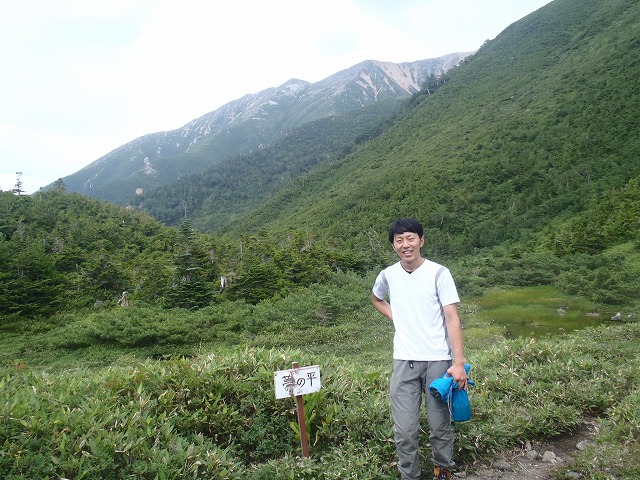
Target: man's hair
pixel 403 225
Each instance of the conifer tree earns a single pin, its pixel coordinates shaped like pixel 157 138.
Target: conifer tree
pixel 17 189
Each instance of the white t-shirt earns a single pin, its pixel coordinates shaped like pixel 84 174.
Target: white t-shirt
pixel 420 329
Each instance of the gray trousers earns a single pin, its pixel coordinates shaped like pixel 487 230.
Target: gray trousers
pixel 409 382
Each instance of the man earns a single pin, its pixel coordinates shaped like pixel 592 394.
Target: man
pixel 423 305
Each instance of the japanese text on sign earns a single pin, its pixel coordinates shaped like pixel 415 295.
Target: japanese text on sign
pixel 297 381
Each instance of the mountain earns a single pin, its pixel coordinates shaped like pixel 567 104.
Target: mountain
pixel 534 140
pixel 247 124
pixel 239 184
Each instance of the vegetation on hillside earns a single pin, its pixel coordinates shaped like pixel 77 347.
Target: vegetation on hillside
pixel 64 251
pixel 243 183
pixel 537 127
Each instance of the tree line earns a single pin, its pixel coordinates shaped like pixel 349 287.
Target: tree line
pixel 66 251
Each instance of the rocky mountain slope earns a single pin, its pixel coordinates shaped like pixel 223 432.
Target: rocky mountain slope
pixel 247 124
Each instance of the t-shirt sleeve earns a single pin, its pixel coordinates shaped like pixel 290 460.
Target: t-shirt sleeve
pixel 381 287
pixel 447 290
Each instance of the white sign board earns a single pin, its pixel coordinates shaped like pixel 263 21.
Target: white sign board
pixel 297 381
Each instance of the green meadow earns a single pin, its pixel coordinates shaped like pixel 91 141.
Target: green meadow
pixel 194 397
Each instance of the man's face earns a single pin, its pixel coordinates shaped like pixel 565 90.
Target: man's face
pixel 407 245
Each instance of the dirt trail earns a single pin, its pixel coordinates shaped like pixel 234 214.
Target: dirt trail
pixel 538 460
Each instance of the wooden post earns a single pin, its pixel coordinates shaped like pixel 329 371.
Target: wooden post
pixel 304 442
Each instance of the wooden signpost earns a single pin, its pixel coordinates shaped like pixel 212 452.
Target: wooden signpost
pixel 294 383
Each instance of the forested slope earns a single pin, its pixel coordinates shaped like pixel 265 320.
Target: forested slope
pixel 243 183
pixel 535 130
pixel 64 252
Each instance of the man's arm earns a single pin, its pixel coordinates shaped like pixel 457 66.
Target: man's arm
pixel 454 330
pixel 382 306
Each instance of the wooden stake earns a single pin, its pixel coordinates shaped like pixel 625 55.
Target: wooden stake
pixel 304 442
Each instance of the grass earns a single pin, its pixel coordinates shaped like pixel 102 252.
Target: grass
pixel 208 410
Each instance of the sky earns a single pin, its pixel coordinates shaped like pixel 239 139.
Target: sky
pixel 80 78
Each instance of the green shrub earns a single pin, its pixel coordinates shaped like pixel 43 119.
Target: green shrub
pixel 215 415
pixel 130 327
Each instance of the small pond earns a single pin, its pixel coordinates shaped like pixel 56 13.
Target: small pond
pixel 545 326
pixel 536 312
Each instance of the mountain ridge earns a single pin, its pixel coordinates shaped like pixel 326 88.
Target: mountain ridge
pixel 540 119
pixel 240 183
pixel 245 124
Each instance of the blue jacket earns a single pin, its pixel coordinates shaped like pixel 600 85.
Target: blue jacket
pixel 445 389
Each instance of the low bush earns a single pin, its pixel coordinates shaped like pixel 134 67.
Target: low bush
pixel 128 327
pixel 216 416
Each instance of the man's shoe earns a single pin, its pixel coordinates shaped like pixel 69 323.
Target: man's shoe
pixel 442 473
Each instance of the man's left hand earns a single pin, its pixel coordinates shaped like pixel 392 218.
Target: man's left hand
pixel 459 375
